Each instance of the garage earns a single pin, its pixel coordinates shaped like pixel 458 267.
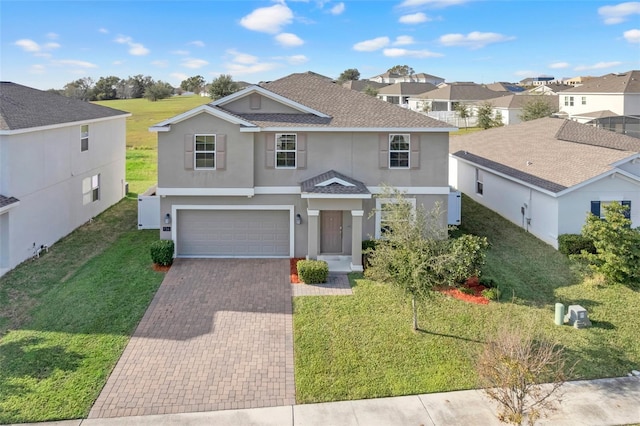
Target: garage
pixel 233 233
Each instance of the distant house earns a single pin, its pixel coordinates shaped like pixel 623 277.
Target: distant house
pixel 510 107
pixel 362 85
pixel 62 162
pixel 536 81
pixel 545 175
pixel 399 93
pixel 549 89
pixel 392 78
pixel 576 81
pixel 502 86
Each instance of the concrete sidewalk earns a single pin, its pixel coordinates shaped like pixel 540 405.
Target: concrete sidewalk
pixel 595 402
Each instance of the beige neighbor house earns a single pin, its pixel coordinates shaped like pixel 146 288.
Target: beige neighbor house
pixel 290 168
pixel 509 108
pixel 62 162
pixel 545 175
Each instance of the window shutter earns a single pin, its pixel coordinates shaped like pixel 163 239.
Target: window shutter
pixel 415 152
pixel 301 156
pixel 270 151
pixel 383 153
pixel 221 152
pixel 595 208
pixel 627 213
pixel 188 152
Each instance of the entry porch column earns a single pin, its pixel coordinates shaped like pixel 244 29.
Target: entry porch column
pixel 313 233
pixel 356 240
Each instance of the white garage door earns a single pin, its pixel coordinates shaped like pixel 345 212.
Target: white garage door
pixel 241 233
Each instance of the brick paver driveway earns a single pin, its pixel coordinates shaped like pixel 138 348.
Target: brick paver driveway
pixel 218 335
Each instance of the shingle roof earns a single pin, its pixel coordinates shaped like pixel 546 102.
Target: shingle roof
pixel 7 201
pixel 550 153
pixel 353 187
pixel 462 92
pixel 627 82
pixel 518 101
pixel 361 85
pixel 597 114
pixel 347 108
pixel 406 88
pixel 23 107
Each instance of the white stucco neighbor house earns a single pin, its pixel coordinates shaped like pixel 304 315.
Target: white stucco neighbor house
pixel 546 175
pixel 510 107
pixel 62 162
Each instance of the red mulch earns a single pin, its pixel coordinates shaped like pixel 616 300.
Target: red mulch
pixel 161 268
pixel 472 283
pixel 294 270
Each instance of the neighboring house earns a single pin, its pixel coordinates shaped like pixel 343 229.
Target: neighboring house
pixel 362 85
pixel 510 107
pixel 576 81
pixel 392 78
pixel 290 168
pixel 502 86
pixel 536 81
pixel 399 93
pixel 549 89
pixel 62 162
pixel 617 93
pixel 545 175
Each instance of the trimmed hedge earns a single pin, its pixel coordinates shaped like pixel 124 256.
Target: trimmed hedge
pixel 162 252
pixel 574 244
pixel 312 271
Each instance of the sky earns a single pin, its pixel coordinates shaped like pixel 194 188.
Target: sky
pixel 46 44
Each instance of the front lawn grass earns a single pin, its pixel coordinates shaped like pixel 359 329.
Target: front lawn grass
pixel 362 346
pixel 66 318
pixel 142 145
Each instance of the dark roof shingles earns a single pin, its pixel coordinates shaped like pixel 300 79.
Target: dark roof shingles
pixel 309 185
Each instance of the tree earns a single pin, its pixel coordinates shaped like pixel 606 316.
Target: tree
pixel 80 89
pixel 222 86
pixel 193 84
pixel 349 74
pixel 464 112
pixel 617 245
pixel 105 88
pixel 537 108
pixel 485 116
pixel 511 369
pixel 157 91
pixel 137 85
pixel 403 70
pixel 370 90
pixel 415 254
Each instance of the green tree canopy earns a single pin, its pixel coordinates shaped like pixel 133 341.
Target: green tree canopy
pixel 486 118
pixel 105 88
pixel 349 74
pixel 193 84
pixel 401 70
pixel 537 108
pixel 222 86
pixel 370 90
pixel 157 91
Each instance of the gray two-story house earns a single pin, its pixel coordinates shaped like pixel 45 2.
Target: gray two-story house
pixel 291 168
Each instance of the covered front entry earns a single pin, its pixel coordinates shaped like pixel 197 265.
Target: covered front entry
pixel 331 232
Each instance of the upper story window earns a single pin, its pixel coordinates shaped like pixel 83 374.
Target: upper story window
pixel 568 101
pixel 479 182
pixel 584 100
pixel 90 189
pixel 388 213
pixel 286 151
pixel 84 137
pixel 399 150
pixel 205 152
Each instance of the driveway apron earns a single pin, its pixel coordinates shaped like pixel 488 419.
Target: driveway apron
pixel 218 335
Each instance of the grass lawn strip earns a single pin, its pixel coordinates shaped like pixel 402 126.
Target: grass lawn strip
pixel 58 357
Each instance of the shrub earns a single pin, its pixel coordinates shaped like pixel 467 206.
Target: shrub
pixel 491 293
pixel 369 245
pixel 467 290
pixel 487 282
pixel 312 271
pixel 575 244
pixel 162 252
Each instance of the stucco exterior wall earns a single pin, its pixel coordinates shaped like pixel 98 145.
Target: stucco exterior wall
pixel 594 102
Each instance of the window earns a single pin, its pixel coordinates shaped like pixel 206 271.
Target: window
pixel 383 215
pixel 285 151
pixel 479 182
pixel 90 189
pixel 84 138
pixel 584 100
pixel 597 208
pixel 568 101
pixel 399 149
pixel 205 152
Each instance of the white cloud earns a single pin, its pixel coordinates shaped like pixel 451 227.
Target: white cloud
pixel 289 40
pixel 435 3
pixel 632 36
pixel 268 19
pixel 179 76
pixel 103 31
pixel 619 13
pixel 371 45
pixel 403 40
pixel 194 63
pixel 337 9
pixel 135 49
pixel 397 52
pixel 118 62
pixel 28 45
pixel 197 43
pixel 242 58
pixel 257 68
pixel 52 36
pixel 74 63
pixel 160 63
pixel 414 18
pixel 297 59
pixel 37 69
pixel 559 65
pixel 598 66
pixel 180 52
pixel 474 39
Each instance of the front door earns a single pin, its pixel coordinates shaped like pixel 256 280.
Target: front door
pixel 331 232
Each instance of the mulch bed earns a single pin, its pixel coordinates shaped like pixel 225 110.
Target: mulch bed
pixel 294 270
pixel 161 268
pixel 473 284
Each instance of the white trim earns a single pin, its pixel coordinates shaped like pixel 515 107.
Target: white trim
pixel 268 94
pixel 414 190
pixel 408 151
pixel 276 190
pixel 196 152
pixel 356 268
pixel 343 196
pixel 334 180
pixel 196 111
pixel 240 192
pixel 176 207
pixel 352 129
pixel 295 150
pixel 6 208
pixel 357 213
pixel 313 212
pixel 62 125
